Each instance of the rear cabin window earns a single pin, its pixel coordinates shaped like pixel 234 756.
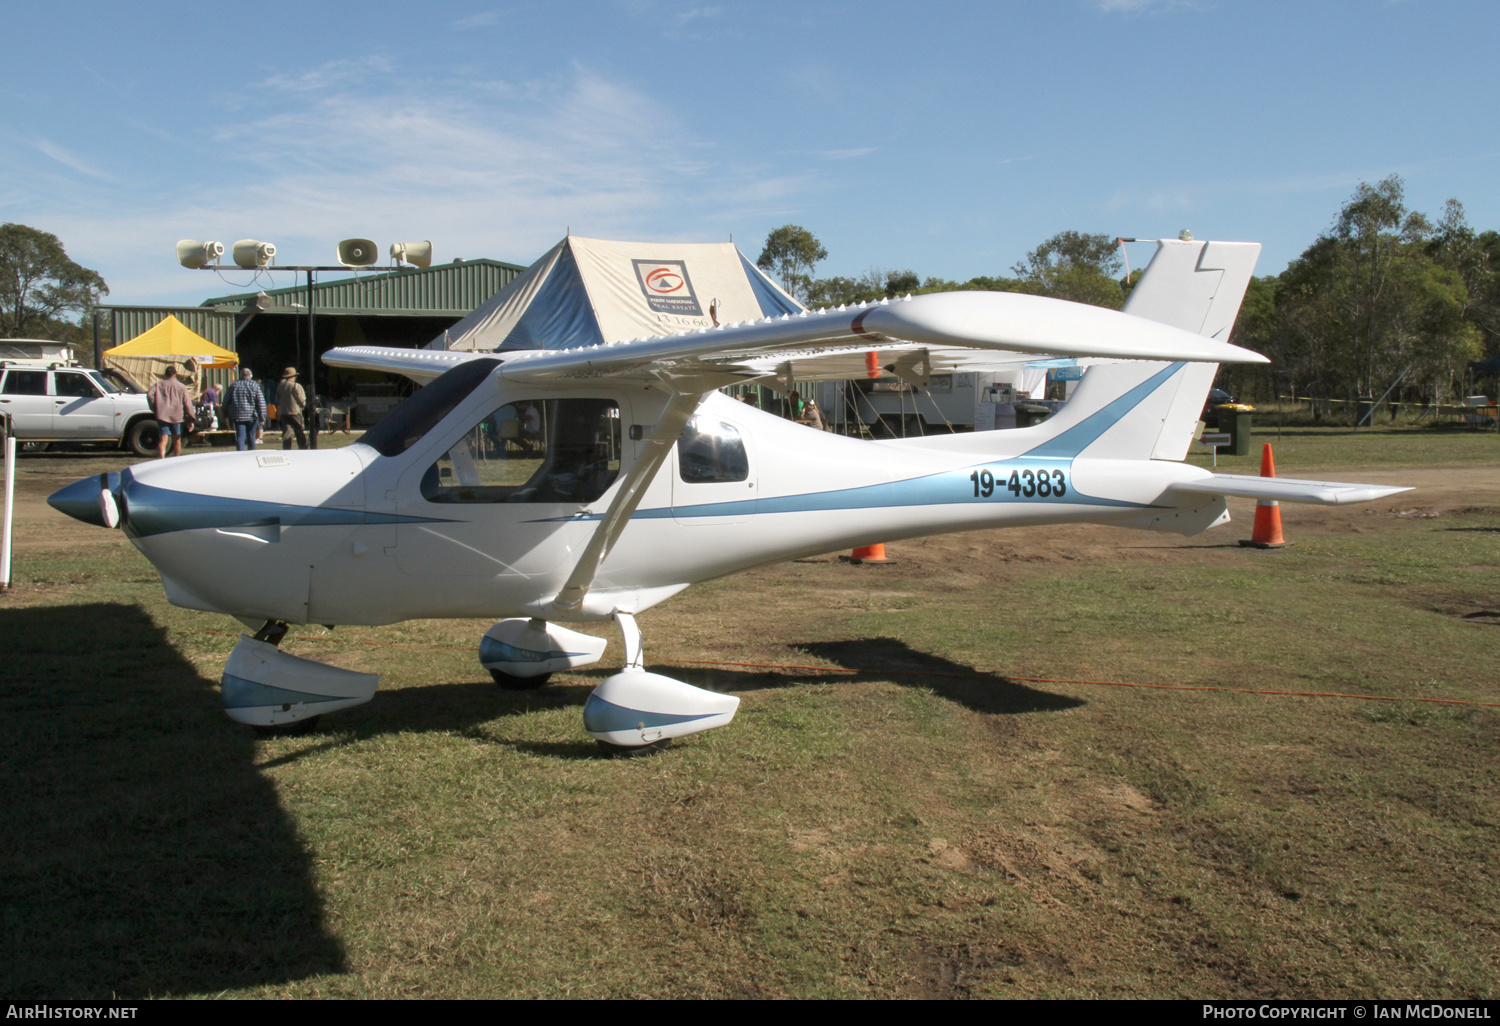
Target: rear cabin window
pixel 75 384
pixel 546 450
pixel 25 382
pixel 711 452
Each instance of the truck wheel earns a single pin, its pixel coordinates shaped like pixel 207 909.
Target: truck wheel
pixel 142 437
pixel 33 447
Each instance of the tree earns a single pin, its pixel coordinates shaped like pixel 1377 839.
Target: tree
pixel 791 253
pixel 1476 259
pixel 39 284
pixel 1076 267
pixel 874 284
pixel 1367 302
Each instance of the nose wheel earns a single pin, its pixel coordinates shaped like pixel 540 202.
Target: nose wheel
pixel 277 694
pixel 297 729
pixel 271 633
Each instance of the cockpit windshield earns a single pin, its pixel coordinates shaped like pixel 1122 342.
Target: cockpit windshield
pixel 405 426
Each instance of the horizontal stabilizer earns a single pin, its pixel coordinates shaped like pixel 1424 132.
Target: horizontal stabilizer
pixel 1287 489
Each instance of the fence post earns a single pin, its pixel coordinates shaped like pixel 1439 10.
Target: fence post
pixel 10 491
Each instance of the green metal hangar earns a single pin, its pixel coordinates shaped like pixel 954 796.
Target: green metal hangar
pixel 269 329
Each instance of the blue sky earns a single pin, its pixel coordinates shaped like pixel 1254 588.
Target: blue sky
pixel 949 138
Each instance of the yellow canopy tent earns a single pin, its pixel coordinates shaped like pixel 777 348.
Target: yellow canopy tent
pixel 144 359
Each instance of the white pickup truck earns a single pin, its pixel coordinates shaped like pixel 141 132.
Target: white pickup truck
pixel 49 400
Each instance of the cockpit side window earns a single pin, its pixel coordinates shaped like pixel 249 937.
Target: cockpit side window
pixel 404 427
pixel 543 450
pixel 711 452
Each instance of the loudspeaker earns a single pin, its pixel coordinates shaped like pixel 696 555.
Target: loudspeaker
pixel 251 253
pixel 418 253
pixel 358 253
pixel 191 253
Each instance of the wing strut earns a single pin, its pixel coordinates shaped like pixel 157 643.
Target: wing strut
pixel 668 429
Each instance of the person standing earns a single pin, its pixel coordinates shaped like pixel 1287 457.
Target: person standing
pixel 209 407
pixel 811 416
pixel 290 401
pixel 172 404
pixel 246 405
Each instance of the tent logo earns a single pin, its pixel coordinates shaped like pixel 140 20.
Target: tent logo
pixel 667 288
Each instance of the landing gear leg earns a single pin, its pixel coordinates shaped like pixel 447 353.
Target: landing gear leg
pixel 272 631
pixel 635 657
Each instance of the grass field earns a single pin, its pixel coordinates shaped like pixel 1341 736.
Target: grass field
pixel 942 809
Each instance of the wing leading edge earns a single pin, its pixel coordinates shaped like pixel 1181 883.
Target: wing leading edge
pixel 996 321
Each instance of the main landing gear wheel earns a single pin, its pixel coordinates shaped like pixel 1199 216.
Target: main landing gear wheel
pixel 510 682
pixel 32 447
pixel 295 729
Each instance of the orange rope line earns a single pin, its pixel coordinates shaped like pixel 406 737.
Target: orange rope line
pixel 991 675
pixel 976 675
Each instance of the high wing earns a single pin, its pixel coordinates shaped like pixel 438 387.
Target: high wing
pixel 1002 323
pixel 421 365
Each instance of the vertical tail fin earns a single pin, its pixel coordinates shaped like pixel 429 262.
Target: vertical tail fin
pixel 1148 410
pixel 1140 409
pixel 1196 286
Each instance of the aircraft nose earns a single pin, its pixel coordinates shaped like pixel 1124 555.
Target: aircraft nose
pixel 81 499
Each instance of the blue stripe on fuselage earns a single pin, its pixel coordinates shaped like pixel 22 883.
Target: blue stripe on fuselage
pixel 155 511
pixel 1072 441
pixel 946 487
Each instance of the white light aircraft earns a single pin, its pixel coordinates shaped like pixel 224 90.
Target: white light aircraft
pixel 544 487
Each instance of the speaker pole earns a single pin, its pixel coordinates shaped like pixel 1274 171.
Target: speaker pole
pixel 312 365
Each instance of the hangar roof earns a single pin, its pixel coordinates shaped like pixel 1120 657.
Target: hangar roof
pixel 447 290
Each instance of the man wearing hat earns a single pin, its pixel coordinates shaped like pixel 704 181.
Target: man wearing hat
pixel 290 400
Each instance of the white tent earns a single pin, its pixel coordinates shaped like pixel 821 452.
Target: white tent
pixel 586 291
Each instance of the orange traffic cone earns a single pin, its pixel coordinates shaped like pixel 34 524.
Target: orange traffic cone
pixel 1267 532
pixel 870 554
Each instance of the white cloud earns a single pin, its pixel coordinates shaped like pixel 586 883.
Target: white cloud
pixel 71 160
pixel 490 168
pixel 483 19
pixel 859 151
pixel 1183 198
pixel 1146 6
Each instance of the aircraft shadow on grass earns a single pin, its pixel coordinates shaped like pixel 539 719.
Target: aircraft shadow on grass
pixel 144 852
pixel 463 707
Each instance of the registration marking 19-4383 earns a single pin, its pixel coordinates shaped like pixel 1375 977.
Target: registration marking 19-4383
pixel 1022 484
